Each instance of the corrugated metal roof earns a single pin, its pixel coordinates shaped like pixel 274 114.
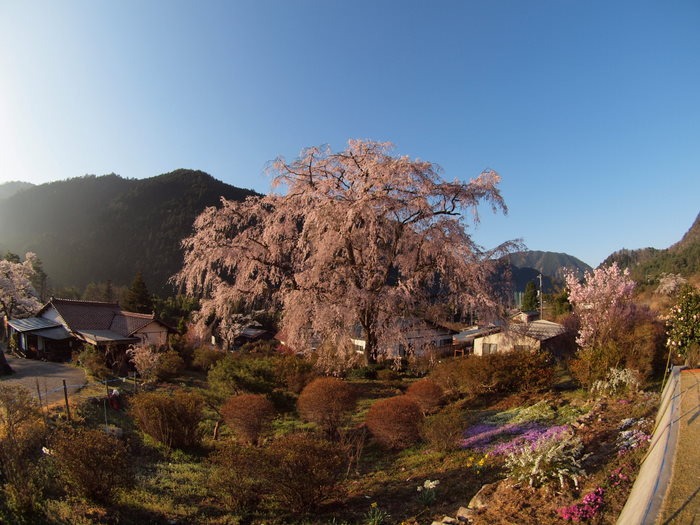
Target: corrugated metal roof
pixel 57 333
pixel 32 323
pixel 105 336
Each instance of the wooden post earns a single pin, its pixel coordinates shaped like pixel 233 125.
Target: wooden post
pixel 65 396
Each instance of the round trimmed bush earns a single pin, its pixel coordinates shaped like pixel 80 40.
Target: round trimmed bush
pixel 395 422
pixel 248 415
pixel 427 393
pixel 327 401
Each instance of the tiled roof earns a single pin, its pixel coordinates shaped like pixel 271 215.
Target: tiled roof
pixel 540 330
pixel 129 322
pixel 94 316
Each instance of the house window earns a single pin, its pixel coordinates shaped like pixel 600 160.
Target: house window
pixel 490 348
pixel 523 348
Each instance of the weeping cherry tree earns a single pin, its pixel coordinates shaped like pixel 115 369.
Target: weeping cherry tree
pixel 358 240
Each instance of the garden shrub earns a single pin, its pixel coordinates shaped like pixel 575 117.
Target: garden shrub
pixel 93 360
pixel 170 365
pixel 304 470
pixel 553 457
pixel 171 419
pixel 239 476
pixel 248 415
pixel 204 358
pixel 362 372
pixel 294 372
pixel 91 462
pixel 617 382
pixel 505 372
pixel 327 401
pixel 443 430
pixel 236 374
pixel 21 434
pixel 427 393
pixel 395 422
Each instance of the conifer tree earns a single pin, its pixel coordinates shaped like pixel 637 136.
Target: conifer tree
pixel 137 298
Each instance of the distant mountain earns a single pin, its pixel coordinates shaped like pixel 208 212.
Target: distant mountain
pixel 647 264
pixel 8 189
pixel 550 264
pixel 95 229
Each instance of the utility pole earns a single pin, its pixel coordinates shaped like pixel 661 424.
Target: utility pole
pixel 541 297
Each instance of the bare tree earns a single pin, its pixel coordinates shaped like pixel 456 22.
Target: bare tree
pixel 361 239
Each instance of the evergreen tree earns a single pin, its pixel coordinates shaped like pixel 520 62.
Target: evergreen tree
pixel 137 298
pixel 530 302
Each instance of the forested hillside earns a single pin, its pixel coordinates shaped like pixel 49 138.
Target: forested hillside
pixel 648 264
pixel 10 188
pixel 527 265
pixel 95 229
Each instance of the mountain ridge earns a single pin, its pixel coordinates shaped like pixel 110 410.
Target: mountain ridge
pixel 108 228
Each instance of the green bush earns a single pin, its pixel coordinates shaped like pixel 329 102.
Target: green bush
pixel 294 372
pixel 170 365
pixel 91 462
pixel 236 374
pixel 442 431
pixel 205 358
pixel 395 422
pixel 171 419
pixel 93 361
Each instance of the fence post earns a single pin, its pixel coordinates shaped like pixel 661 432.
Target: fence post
pixel 65 396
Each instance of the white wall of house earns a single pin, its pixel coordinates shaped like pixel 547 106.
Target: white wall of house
pixel 504 342
pixel 153 334
pixel 52 314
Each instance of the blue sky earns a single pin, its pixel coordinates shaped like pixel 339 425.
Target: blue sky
pixel 589 110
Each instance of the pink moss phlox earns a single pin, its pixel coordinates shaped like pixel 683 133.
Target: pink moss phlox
pixel 590 505
pixel 512 436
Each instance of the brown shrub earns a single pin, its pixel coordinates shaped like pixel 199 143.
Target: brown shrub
pixel 170 419
pixel 295 472
pixel 327 401
pixel 239 476
pixel 507 372
pixel 304 470
pixel 427 393
pixel 21 434
pixel 91 462
pixel 442 431
pixel 395 422
pixel 248 415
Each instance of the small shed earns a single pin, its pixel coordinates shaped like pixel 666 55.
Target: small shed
pixel 537 335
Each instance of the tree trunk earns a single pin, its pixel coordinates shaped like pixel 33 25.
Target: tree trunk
pixel 370 348
pixel 5 368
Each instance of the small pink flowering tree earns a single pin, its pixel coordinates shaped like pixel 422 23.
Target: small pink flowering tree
pixel 18 298
pixel 603 304
pixel 361 239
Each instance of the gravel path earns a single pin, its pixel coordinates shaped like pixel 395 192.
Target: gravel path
pixel 49 375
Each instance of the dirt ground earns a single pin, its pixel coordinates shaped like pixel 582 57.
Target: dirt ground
pixel 49 377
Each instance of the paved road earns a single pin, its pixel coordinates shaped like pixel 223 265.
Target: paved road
pixel 49 375
pixel 682 502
